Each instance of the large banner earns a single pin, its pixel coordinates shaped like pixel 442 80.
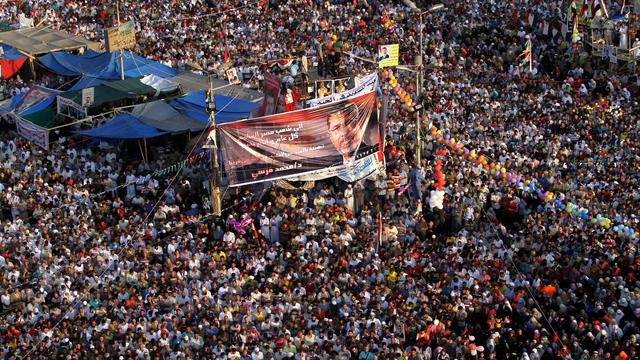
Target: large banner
pixel 362 168
pixel 271 90
pixel 33 133
pixel 320 142
pixel 364 85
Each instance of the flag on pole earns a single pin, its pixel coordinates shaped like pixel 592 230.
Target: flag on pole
pixel 572 11
pixel 583 9
pixel 575 35
pixel 544 27
pixel 529 18
pixel 380 228
pixel 527 56
pixel 603 6
pixel 596 10
pixel 226 53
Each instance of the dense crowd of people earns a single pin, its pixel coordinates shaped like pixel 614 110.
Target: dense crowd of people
pixel 99 258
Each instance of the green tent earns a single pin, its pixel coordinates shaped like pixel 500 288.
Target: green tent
pixel 43 118
pixel 113 91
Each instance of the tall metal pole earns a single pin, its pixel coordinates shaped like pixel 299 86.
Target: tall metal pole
pixel 216 201
pixel 121 51
pixel 418 90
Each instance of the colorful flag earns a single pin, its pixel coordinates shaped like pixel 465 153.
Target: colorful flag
pixel 226 53
pixel 527 56
pixel 529 18
pixel 603 7
pixel 595 8
pixel 380 228
pixel 572 11
pixel 544 27
pixel 583 9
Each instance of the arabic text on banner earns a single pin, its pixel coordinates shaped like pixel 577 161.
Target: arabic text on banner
pixel 325 140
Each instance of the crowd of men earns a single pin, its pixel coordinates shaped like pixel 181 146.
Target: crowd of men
pixel 100 259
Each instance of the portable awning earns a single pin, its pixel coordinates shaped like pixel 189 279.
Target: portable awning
pixel 42 40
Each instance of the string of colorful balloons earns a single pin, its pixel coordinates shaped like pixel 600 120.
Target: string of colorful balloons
pixel 408 102
pixel 501 173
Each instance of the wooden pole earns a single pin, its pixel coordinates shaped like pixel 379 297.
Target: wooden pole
pixel 121 51
pixel 216 201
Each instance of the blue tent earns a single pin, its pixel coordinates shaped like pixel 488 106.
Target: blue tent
pixel 227 109
pixel 123 126
pixel 10 53
pixel 105 66
pixel 87 82
pixel 156 119
pixel 35 105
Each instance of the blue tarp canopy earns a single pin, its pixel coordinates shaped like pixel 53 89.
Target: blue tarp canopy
pixel 123 126
pixel 170 117
pixel 11 53
pixel 34 105
pixel 105 66
pixel 87 82
pixel 227 109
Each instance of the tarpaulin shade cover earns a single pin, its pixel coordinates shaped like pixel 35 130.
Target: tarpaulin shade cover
pixel 35 106
pixel 40 40
pixel 123 126
pixel 86 82
pixel 113 91
pixel 11 61
pixel 191 82
pixel 227 109
pixel 36 99
pixel 104 66
pixel 162 86
pixel 162 116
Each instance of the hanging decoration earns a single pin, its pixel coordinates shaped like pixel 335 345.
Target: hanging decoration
pixel 177 166
pixel 501 174
pixel 408 102
pixel 439 176
pixel 392 26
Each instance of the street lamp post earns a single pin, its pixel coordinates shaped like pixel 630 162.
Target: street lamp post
pixel 419 76
pixel 420 72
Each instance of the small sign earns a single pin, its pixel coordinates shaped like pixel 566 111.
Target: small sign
pixel 121 37
pixel 232 76
pixel 87 97
pixel 388 55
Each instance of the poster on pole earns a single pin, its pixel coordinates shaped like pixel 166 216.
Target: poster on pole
pixel 121 37
pixel 323 141
pixel 232 76
pixel 87 97
pixel 271 90
pixel 388 55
